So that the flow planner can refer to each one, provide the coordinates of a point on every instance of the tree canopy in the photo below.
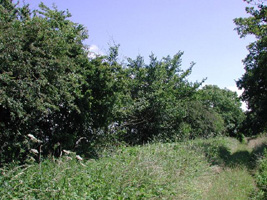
(227, 104)
(53, 96)
(41, 75)
(254, 81)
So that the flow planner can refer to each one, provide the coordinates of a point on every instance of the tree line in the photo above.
(53, 96)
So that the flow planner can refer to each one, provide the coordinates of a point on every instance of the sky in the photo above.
(202, 29)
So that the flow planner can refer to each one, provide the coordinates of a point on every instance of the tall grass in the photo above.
(187, 170)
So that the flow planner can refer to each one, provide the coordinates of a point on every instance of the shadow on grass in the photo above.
(240, 158)
(222, 156)
(258, 150)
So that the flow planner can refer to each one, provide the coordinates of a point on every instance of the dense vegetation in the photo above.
(57, 102)
(254, 81)
(199, 169)
(261, 177)
(54, 96)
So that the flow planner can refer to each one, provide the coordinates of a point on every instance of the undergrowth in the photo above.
(261, 178)
(186, 170)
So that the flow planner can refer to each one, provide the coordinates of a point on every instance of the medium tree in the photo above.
(254, 81)
(202, 120)
(227, 104)
(42, 60)
(157, 93)
(49, 87)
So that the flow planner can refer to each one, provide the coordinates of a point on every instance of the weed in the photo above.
(199, 169)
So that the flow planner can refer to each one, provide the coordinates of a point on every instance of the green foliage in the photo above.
(42, 59)
(261, 176)
(215, 149)
(254, 81)
(106, 83)
(226, 104)
(154, 171)
(204, 121)
(51, 90)
(156, 94)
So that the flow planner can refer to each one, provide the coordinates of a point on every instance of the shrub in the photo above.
(261, 176)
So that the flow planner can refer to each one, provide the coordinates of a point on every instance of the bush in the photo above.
(261, 176)
(205, 122)
(41, 60)
(157, 93)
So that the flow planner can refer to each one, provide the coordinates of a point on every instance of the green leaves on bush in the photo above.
(50, 88)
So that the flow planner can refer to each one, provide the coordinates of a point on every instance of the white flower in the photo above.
(34, 139)
(79, 157)
(34, 151)
(67, 152)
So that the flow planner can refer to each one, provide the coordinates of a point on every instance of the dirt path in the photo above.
(256, 142)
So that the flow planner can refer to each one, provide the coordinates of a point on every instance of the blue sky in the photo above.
(203, 29)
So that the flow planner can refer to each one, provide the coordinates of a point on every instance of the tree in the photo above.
(49, 87)
(254, 81)
(227, 104)
(42, 62)
(156, 94)
(202, 120)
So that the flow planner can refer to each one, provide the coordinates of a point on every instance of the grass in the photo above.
(231, 184)
(234, 180)
(199, 169)
(231, 164)
(261, 177)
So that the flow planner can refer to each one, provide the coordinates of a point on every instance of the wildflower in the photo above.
(34, 151)
(34, 139)
(79, 157)
(67, 152)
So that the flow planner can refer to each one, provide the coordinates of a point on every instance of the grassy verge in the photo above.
(234, 183)
(261, 178)
(154, 171)
(190, 170)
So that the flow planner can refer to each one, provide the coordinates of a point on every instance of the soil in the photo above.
(255, 142)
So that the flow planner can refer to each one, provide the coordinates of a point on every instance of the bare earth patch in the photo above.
(255, 142)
